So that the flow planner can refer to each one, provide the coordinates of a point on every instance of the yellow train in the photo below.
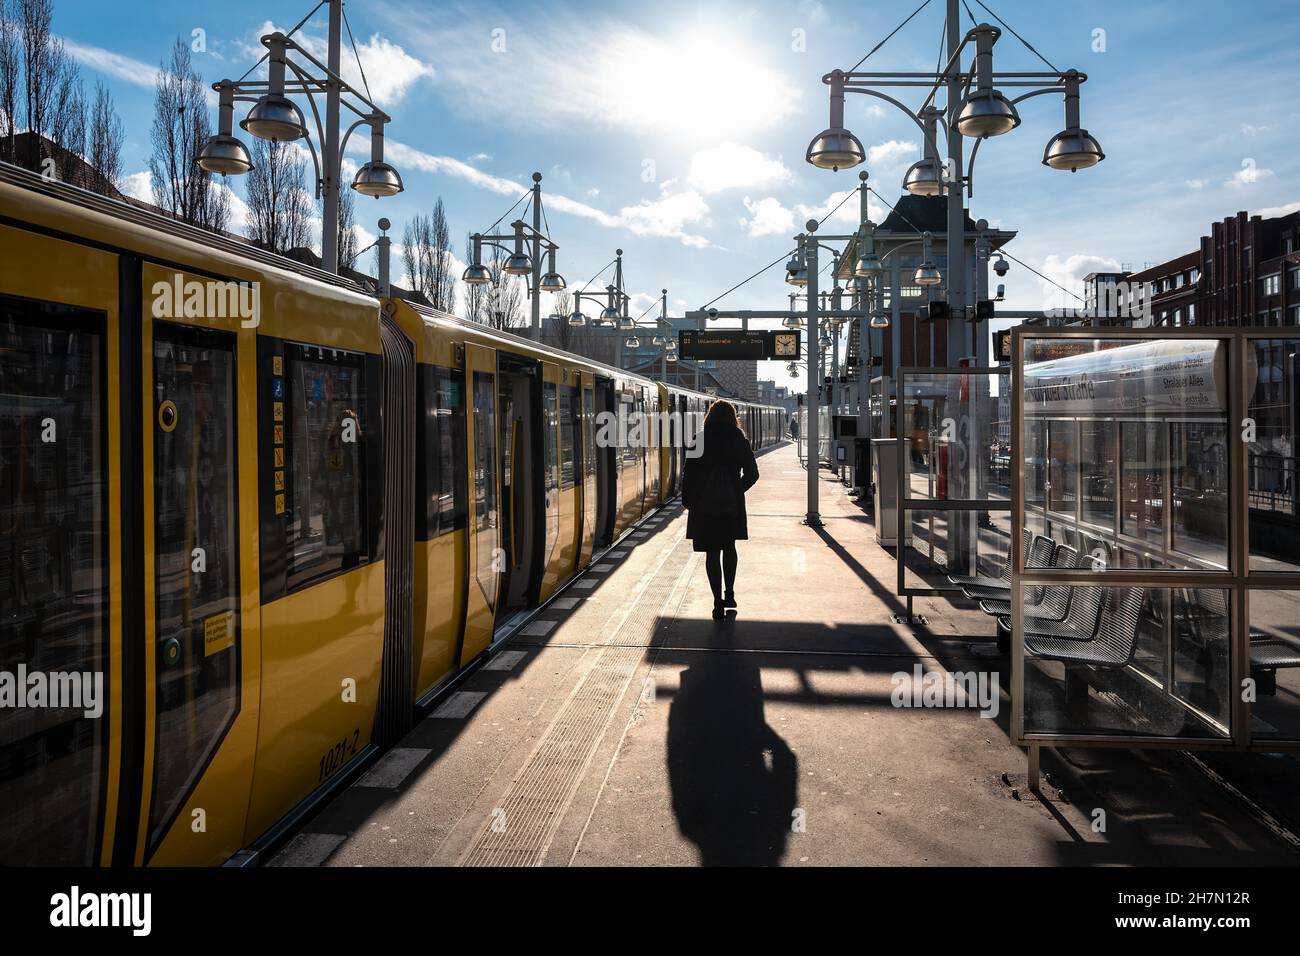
(252, 519)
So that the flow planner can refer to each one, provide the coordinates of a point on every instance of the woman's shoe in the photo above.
(730, 600)
(719, 612)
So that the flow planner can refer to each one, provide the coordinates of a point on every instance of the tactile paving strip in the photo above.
(520, 829)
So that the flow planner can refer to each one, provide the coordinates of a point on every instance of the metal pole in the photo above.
(962, 524)
(663, 355)
(330, 158)
(536, 323)
(384, 245)
(956, 203)
(812, 402)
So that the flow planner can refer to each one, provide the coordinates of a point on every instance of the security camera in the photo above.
(713, 314)
(1002, 292)
(1001, 267)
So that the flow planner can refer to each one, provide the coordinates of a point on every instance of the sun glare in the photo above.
(690, 86)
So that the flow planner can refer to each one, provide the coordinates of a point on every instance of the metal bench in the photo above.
(1111, 646)
(1040, 554)
(1054, 601)
(964, 580)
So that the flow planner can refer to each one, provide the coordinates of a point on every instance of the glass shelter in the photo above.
(1155, 538)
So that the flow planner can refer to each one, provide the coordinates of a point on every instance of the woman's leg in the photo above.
(713, 567)
(729, 567)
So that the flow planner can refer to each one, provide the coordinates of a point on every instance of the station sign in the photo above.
(738, 344)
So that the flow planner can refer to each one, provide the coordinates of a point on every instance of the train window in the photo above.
(441, 455)
(53, 578)
(326, 434)
(196, 558)
(486, 541)
(551, 470)
(627, 417)
(551, 426)
(570, 435)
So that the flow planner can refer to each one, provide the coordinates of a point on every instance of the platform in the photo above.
(623, 726)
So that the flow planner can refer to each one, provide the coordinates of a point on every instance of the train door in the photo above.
(486, 556)
(607, 463)
(200, 654)
(672, 436)
(589, 494)
(554, 427)
(61, 500)
(519, 419)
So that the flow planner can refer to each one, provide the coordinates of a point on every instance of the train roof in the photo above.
(163, 238)
(438, 316)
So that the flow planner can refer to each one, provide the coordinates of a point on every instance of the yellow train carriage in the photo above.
(192, 531)
(272, 514)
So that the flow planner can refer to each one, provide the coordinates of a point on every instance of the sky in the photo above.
(676, 130)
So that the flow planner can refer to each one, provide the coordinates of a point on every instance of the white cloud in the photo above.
(1197, 183)
(891, 153)
(847, 207)
(1274, 212)
(731, 166)
(138, 186)
(389, 70)
(767, 217)
(1069, 272)
(666, 218)
(112, 64)
(680, 84)
(1248, 175)
(1248, 130)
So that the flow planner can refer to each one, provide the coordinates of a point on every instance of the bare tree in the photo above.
(104, 149)
(9, 79)
(66, 114)
(426, 253)
(279, 208)
(180, 128)
(501, 301)
(39, 50)
(347, 241)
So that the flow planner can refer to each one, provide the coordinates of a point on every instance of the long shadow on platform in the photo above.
(734, 780)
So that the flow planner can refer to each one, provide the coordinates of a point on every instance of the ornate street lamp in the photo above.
(275, 117)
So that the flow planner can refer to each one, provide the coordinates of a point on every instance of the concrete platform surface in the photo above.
(635, 730)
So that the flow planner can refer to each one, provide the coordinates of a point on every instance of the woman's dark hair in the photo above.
(721, 415)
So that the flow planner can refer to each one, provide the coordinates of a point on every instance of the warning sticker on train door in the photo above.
(218, 633)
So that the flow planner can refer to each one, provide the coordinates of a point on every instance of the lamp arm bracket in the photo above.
(343, 146)
(331, 76)
(311, 100)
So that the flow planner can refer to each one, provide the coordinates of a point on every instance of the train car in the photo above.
(272, 515)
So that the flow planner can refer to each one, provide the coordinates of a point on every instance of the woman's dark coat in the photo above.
(727, 450)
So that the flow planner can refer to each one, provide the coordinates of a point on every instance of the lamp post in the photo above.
(614, 314)
(521, 263)
(277, 118)
(982, 112)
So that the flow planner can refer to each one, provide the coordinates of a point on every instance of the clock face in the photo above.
(787, 345)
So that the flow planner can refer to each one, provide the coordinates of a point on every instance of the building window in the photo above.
(1295, 278)
(1295, 315)
(1180, 280)
(1194, 276)
(1270, 285)
(1191, 313)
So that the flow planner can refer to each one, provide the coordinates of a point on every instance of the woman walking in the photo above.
(713, 489)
